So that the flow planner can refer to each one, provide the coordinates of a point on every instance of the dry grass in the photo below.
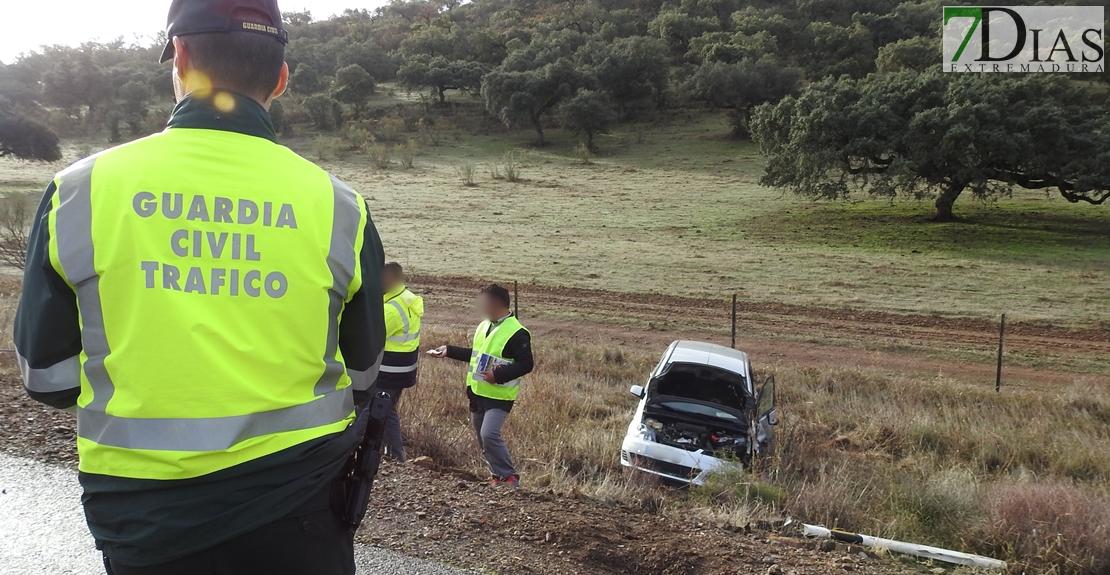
(566, 428)
(1050, 523)
(1021, 474)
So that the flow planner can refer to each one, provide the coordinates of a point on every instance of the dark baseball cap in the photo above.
(206, 16)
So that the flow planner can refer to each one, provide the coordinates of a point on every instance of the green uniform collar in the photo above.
(246, 116)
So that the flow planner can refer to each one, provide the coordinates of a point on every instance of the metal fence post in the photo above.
(1001, 339)
(733, 321)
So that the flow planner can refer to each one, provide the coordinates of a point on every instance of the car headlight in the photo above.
(646, 433)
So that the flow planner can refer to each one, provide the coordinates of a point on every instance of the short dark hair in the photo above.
(244, 62)
(498, 293)
(394, 268)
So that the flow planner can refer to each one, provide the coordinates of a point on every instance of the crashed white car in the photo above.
(699, 409)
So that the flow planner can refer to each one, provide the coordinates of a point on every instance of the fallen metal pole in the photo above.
(934, 553)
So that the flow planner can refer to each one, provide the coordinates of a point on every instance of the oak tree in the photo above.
(935, 135)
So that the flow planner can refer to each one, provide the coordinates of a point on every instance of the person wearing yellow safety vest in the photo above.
(403, 310)
(207, 303)
(499, 357)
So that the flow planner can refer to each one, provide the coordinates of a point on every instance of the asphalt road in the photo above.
(42, 528)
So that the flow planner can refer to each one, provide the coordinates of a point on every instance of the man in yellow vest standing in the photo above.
(499, 357)
(207, 303)
(403, 310)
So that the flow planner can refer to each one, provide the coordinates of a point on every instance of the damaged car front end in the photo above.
(698, 411)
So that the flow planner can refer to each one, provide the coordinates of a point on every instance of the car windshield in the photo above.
(697, 409)
(703, 383)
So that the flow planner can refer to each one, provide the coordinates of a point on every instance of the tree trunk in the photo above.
(945, 201)
(540, 142)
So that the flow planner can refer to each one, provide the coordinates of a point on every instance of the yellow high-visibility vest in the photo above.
(209, 295)
(492, 343)
(408, 308)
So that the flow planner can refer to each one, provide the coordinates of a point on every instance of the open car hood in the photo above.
(704, 385)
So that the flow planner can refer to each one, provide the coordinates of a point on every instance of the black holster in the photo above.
(361, 469)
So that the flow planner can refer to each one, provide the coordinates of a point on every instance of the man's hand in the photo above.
(487, 376)
(439, 352)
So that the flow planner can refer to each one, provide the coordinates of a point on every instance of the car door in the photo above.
(768, 415)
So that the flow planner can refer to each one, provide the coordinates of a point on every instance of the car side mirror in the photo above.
(637, 390)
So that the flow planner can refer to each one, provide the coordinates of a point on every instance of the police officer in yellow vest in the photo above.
(403, 310)
(499, 357)
(206, 302)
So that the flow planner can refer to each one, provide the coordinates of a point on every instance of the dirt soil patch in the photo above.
(451, 517)
(31, 429)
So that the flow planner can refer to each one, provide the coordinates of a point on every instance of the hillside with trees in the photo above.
(589, 65)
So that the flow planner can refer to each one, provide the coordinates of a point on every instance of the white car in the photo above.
(699, 409)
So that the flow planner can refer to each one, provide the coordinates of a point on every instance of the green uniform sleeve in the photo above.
(47, 326)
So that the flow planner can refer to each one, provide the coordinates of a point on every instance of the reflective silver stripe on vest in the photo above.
(398, 369)
(73, 226)
(62, 376)
(346, 217)
(212, 433)
(406, 337)
(362, 380)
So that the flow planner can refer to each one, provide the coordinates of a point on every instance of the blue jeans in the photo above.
(391, 438)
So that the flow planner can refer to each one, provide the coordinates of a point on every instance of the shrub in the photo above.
(325, 112)
(329, 148)
(407, 153)
(431, 130)
(466, 173)
(358, 135)
(16, 213)
(279, 118)
(583, 155)
(511, 164)
(1049, 524)
(390, 129)
(27, 139)
(380, 156)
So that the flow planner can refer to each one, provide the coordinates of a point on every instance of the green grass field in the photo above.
(673, 206)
